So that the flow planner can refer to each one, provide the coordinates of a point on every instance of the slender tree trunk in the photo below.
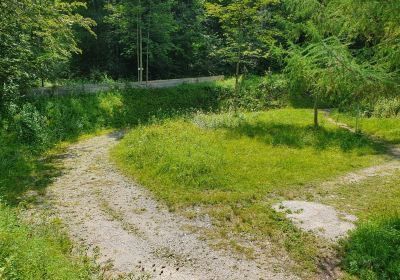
(316, 124)
(239, 56)
(141, 55)
(140, 43)
(42, 82)
(358, 130)
(148, 46)
(237, 86)
(237, 73)
(137, 49)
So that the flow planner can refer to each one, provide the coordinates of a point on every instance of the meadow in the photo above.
(234, 166)
(231, 163)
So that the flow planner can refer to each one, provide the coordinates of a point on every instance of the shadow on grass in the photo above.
(297, 136)
(22, 170)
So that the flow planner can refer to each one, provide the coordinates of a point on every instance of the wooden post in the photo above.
(316, 124)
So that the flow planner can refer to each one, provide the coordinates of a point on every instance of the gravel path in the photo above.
(131, 231)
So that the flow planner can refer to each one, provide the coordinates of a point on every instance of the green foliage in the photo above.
(41, 121)
(30, 126)
(372, 250)
(387, 107)
(36, 37)
(246, 41)
(336, 55)
(133, 19)
(37, 251)
(258, 93)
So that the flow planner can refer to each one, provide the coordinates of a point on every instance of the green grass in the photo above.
(387, 129)
(235, 166)
(38, 251)
(372, 251)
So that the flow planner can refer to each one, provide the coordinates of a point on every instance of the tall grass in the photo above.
(388, 129)
(37, 252)
(372, 252)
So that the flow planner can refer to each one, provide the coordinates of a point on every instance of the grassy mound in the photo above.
(236, 165)
(240, 157)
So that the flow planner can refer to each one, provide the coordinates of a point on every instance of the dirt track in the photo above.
(133, 233)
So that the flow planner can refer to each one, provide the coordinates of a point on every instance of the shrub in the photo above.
(387, 107)
(30, 125)
(257, 93)
(373, 250)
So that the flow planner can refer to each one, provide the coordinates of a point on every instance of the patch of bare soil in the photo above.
(322, 220)
(132, 232)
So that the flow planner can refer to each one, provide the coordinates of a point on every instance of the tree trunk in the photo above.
(137, 49)
(316, 124)
(141, 55)
(42, 82)
(147, 48)
(358, 130)
(237, 86)
(237, 73)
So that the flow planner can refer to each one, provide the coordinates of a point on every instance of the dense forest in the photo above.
(351, 54)
(308, 112)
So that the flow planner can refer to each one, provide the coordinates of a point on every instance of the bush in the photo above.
(386, 108)
(373, 250)
(30, 126)
(257, 93)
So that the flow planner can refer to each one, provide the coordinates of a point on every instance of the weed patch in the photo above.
(373, 249)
